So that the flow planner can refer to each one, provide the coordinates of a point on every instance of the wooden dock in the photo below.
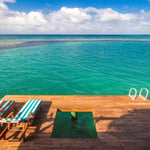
(121, 123)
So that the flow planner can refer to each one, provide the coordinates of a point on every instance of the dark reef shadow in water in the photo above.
(35, 43)
(27, 44)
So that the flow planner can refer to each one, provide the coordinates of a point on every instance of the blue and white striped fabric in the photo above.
(30, 107)
(5, 106)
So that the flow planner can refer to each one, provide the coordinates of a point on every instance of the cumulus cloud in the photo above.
(73, 21)
(73, 15)
(111, 15)
(10, 1)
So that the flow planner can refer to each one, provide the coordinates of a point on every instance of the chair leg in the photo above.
(22, 138)
(3, 133)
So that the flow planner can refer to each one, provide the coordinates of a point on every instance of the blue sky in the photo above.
(45, 5)
(74, 16)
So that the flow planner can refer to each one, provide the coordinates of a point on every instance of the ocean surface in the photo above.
(73, 64)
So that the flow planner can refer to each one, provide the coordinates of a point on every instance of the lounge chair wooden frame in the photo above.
(19, 125)
(8, 110)
(10, 106)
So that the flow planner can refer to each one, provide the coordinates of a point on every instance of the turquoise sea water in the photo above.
(73, 65)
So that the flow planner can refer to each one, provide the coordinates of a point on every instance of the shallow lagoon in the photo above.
(75, 67)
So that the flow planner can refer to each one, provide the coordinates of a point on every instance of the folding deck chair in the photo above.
(6, 110)
(23, 118)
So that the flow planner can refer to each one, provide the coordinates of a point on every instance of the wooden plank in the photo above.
(120, 122)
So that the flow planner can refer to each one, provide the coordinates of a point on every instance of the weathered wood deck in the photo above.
(120, 123)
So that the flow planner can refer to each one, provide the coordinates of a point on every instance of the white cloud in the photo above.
(73, 15)
(73, 20)
(111, 15)
(10, 1)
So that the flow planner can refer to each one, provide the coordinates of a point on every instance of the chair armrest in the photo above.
(31, 116)
(10, 115)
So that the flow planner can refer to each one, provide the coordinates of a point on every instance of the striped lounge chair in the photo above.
(6, 109)
(24, 117)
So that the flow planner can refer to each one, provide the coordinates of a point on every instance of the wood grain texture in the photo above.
(121, 123)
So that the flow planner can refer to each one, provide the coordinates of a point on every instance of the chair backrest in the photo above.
(31, 106)
(5, 106)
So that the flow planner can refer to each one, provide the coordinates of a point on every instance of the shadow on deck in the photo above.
(130, 131)
(39, 130)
